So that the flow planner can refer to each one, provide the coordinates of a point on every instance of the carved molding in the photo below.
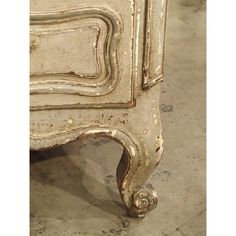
(154, 43)
(83, 131)
(97, 84)
(140, 135)
(134, 168)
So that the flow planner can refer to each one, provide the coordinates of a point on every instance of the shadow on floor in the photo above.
(52, 167)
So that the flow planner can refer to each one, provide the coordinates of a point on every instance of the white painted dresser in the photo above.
(95, 69)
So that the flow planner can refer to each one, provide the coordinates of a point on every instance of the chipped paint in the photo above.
(113, 133)
(145, 131)
(155, 121)
(70, 121)
(133, 152)
(67, 140)
(103, 108)
(147, 162)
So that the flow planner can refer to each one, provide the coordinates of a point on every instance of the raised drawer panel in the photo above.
(84, 54)
(75, 52)
(52, 47)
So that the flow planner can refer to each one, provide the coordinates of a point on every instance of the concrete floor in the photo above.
(73, 188)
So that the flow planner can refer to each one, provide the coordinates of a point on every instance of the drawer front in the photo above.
(84, 55)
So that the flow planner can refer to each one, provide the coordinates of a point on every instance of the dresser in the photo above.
(95, 70)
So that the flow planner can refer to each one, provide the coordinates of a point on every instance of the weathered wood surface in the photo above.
(93, 70)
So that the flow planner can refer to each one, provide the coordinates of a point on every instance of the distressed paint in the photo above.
(155, 26)
(112, 102)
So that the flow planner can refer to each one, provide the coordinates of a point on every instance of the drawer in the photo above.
(84, 54)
